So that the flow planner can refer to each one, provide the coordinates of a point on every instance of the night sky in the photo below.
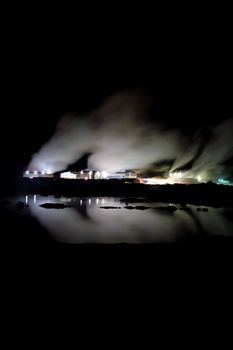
(186, 71)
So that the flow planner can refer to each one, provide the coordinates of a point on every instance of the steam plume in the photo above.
(118, 136)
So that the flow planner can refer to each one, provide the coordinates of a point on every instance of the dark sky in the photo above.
(186, 71)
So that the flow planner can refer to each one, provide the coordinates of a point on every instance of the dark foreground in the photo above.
(23, 239)
(200, 194)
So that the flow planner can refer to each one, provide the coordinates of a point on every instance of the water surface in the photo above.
(89, 220)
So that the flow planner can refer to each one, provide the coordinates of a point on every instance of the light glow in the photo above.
(104, 174)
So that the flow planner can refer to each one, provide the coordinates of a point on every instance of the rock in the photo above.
(141, 207)
(20, 205)
(185, 209)
(202, 209)
(54, 206)
(137, 207)
(170, 208)
(110, 207)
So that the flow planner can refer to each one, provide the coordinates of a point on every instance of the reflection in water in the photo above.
(87, 222)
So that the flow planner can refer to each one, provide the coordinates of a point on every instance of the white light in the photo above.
(48, 172)
(68, 175)
(103, 201)
(198, 178)
(90, 174)
(81, 172)
(26, 199)
(81, 202)
(89, 201)
(97, 200)
(34, 198)
(35, 172)
(104, 174)
(27, 172)
(43, 172)
(86, 178)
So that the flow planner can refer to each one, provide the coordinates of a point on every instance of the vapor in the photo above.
(209, 155)
(118, 135)
(217, 151)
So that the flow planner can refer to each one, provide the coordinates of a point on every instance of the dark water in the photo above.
(86, 221)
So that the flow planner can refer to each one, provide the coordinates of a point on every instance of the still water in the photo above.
(89, 220)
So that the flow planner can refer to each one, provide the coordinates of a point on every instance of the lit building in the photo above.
(85, 174)
(35, 173)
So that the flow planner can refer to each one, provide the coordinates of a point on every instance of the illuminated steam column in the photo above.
(104, 174)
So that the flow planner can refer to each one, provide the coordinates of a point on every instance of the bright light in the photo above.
(68, 175)
(90, 174)
(43, 172)
(86, 178)
(89, 201)
(104, 174)
(157, 181)
(26, 199)
(27, 172)
(35, 172)
(97, 200)
(199, 178)
(34, 199)
(48, 172)
(81, 172)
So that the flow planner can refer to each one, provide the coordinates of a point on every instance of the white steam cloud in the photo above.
(117, 135)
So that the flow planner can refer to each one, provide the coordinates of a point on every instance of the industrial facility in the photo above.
(177, 177)
(85, 174)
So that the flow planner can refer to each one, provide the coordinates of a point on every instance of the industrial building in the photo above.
(36, 174)
(85, 174)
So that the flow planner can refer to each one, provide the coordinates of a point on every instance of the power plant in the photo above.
(177, 177)
(85, 174)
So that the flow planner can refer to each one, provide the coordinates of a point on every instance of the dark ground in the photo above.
(23, 238)
(208, 194)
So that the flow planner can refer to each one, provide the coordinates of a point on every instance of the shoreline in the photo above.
(208, 194)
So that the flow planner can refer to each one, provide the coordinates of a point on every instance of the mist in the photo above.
(119, 135)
